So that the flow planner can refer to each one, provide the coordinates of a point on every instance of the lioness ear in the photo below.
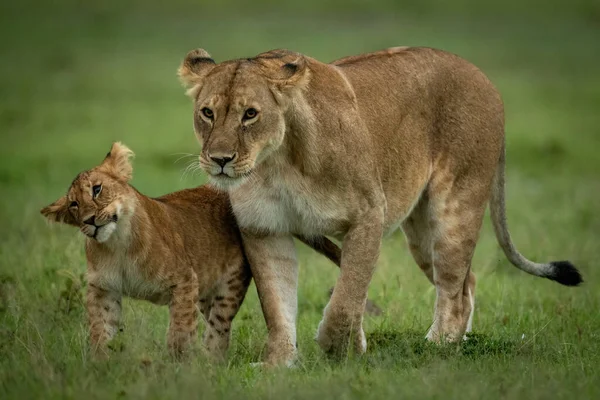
(195, 66)
(118, 162)
(285, 69)
(59, 212)
(294, 74)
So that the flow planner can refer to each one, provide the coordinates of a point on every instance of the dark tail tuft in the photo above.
(565, 273)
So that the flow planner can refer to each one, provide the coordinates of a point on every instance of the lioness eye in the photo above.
(96, 189)
(73, 204)
(208, 113)
(250, 113)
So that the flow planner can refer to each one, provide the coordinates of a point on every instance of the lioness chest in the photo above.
(282, 208)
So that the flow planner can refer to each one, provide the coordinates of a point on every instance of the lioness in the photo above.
(182, 249)
(405, 137)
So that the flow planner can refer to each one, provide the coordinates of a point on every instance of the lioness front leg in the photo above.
(343, 316)
(104, 315)
(275, 271)
(183, 311)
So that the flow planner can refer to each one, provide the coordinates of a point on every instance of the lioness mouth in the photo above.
(223, 174)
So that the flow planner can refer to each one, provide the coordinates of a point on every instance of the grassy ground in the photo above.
(74, 79)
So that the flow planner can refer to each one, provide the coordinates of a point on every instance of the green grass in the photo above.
(74, 78)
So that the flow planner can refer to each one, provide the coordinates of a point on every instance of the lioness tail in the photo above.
(560, 271)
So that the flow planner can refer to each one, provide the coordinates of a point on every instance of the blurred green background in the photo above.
(77, 75)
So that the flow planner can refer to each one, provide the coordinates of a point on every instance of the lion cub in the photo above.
(182, 249)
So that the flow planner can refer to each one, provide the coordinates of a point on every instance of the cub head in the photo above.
(240, 108)
(96, 202)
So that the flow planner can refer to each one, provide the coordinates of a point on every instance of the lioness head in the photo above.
(95, 199)
(239, 108)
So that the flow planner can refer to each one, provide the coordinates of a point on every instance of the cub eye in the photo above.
(250, 113)
(96, 189)
(208, 113)
(74, 204)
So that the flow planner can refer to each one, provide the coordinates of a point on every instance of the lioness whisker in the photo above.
(182, 156)
(192, 166)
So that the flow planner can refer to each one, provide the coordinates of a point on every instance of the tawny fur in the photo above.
(406, 137)
(183, 250)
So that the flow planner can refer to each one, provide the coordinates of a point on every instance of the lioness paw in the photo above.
(336, 341)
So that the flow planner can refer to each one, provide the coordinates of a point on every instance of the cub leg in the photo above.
(104, 316)
(226, 304)
(205, 305)
(183, 315)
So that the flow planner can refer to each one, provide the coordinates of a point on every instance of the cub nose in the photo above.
(91, 220)
(222, 160)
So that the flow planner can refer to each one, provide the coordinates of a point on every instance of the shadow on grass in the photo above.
(412, 348)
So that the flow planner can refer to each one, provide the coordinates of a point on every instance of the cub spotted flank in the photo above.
(183, 250)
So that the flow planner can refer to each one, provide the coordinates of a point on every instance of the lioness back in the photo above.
(419, 102)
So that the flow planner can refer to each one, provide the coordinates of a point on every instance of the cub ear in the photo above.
(118, 162)
(195, 66)
(285, 69)
(59, 212)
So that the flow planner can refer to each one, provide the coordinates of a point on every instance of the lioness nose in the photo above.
(91, 220)
(222, 161)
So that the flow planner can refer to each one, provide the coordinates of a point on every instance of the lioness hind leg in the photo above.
(456, 210)
(470, 293)
(419, 237)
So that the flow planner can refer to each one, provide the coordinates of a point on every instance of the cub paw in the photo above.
(99, 353)
(179, 344)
